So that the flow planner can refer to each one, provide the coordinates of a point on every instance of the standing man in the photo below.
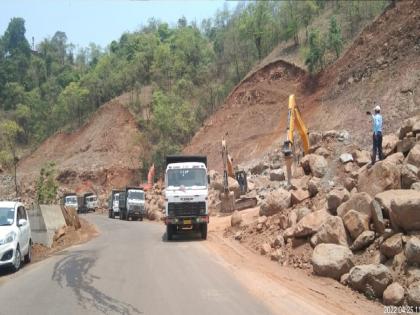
(377, 134)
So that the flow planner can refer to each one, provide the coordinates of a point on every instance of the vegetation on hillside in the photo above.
(190, 67)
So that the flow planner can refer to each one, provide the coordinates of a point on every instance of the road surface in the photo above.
(128, 269)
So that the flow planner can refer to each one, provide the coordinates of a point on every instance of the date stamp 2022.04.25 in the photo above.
(405, 309)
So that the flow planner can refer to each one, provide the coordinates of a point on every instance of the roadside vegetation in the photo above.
(190, 67)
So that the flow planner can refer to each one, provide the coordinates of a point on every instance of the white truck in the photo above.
(131, 202)
(186, 194)
(113, 204)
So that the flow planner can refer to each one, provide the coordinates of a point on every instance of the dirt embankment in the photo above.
(103, 153)
(382, 65)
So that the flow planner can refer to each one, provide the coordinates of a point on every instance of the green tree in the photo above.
(307, 11)
(9, 132)
(71, 104)
(335, 41)
(315, 57)
(46, 185)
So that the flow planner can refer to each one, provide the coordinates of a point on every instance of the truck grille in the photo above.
(186, 209)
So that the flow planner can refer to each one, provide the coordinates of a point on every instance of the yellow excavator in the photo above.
(294, 120)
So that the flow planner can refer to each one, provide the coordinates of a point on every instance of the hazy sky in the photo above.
(99, 21)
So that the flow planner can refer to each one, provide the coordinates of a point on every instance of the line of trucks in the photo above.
(83, 204)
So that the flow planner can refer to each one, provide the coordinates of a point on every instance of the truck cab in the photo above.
(113, 204)
(91, 202)
(186, 194)
(70, 200)
(131, 203)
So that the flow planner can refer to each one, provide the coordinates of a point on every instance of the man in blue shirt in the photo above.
(377, 134)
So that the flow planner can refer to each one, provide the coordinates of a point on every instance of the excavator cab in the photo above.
(242, 180)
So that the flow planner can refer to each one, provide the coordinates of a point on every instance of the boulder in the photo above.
(349, 183)
(275, 202)
(372, 280)
(283, 222)
(277, 175)
(389, 144)
(332, 231)
(279, 241)
(302, 212)
(414, 156)
(402, 207)
(315, 164)
(393, 294)
(377, 217)
(416, 186)
(336, 197)
(359, 202)
(236, 218)
(323, 152)
(409, 175)
(384, 175)
(392, 246)
(413, 274)
(313, 186)
(291, 219)
(413, 294)
(265, 249)
(406, 127)
(363, 240)
(361, 157)
(299, 195)
(310, 224)
(345, 158)
(399, 262)
(259, 168)
(396, 158)
(405, 145)
(356, 223)
(412, 250)
(331, 260)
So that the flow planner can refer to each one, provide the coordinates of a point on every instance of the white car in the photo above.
(15, 235)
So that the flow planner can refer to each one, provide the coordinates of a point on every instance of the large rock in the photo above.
(361, 157)
(236, 218)
(301, 213)
(393, 294)
(414, 156)
(412, 250)
(384, 175)
(332, 231)
(277, 175)
(402, 207)
(310, 224)
(259, 168)
(416, 186)
(298, 196)
(372, 280)
(314, 186)
(331, 260)
(363, 240)
(356, 223)
(345, 158)
(413, 294)
(359, 202)
(392, 246)
(315, 164)
(406, 127)
(389, 144)
(275, 202)
(405, 145)
(377, 217)
(409, 175)
(336, 197)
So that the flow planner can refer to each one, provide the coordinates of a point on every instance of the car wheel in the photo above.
(28, 256)
(18, 260)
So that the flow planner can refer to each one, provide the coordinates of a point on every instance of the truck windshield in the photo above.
(71, 200)
(187, 177)
(7, 216)
(132, 194)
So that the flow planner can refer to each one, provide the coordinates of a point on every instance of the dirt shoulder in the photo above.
(285, 290)
(71, 237)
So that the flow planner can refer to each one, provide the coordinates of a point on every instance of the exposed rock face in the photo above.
(310, 224)
(336, 197)
(356, 223)
(413, 294)
(372, 280)
(359, 202)
(363, 240)
(384, 175)
(315, 164)
(275, 202)
(392, 245)
(412, 250)
(331, 260)
(332, 231)
(393, 294)
(402, 207)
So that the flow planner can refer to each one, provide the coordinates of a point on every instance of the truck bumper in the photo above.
(187, 221)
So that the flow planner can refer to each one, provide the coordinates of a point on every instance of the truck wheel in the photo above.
(141, 218)
(120, 215)
(169, 232)
(110, 214)
(203, 229)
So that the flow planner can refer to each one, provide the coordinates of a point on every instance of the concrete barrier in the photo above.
(45, 220)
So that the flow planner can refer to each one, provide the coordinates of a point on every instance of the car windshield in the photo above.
(187, 177)
(7, 216)
(71, 200)
(135, 195)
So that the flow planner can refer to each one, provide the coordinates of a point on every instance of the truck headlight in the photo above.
(8, 239)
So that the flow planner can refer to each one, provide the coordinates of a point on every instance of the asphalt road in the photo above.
(128, 269)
